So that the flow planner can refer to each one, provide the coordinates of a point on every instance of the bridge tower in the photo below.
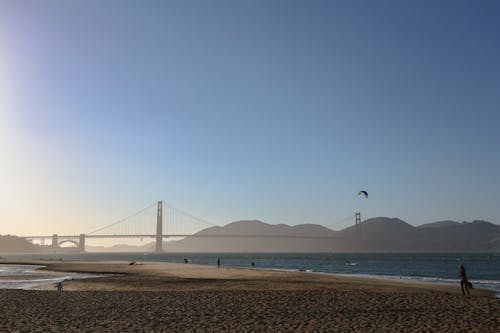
(81, 243)
(54, 242)
(358, 220)
(159, 227)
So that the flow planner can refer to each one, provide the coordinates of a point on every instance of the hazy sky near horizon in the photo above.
(274, 110)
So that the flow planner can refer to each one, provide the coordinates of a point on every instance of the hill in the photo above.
(440, 224)
(256, 236)
(10, 243)
(379, 234)
(121, 248)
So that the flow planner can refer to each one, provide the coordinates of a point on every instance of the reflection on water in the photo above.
(34, 277)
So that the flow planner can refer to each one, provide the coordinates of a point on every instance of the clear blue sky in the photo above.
(275, 110)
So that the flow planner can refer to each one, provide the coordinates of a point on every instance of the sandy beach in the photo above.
(169, 297)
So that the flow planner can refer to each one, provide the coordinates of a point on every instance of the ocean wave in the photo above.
(33, 270)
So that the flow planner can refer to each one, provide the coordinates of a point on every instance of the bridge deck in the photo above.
(184, 235)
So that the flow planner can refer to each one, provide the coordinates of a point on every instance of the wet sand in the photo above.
(165, 297)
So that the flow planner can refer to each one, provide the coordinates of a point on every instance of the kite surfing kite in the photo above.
(363, 193)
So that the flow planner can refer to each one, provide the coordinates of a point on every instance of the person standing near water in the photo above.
(218, 263)
(464, 283)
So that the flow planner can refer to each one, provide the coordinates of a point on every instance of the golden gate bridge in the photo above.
(158, 221)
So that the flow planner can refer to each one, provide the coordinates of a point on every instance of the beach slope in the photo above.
(168, 297)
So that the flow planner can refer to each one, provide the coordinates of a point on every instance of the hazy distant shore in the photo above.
(160, 297)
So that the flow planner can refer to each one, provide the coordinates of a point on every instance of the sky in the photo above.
(273, 110)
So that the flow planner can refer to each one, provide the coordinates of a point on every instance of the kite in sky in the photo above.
(363, 193)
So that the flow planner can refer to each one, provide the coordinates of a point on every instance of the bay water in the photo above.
(483, 269)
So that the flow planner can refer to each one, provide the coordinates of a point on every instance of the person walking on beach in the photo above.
(218, 263)
(464, 283)
(60, 287)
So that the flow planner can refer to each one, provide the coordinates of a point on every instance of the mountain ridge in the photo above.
(379, 234)
(376, 234)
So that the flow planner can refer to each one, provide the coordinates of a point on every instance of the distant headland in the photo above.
(380, 234)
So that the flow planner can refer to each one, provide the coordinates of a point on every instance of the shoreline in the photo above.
(171, 297)
(237, 275)
(421, 269)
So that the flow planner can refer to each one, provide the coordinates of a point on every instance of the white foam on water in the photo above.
(493, 285)
(33, 270)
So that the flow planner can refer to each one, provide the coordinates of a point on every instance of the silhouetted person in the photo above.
(59, 287)
(185, 261)
(464, 283)
(253, 264)
(218, 263)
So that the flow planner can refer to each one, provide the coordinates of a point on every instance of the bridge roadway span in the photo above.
(79, 240)
(154, 213)
(178, 236)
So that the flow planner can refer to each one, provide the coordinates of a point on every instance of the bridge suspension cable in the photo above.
(341, 221)
(175, 222)
(179, 222)
(141, 222)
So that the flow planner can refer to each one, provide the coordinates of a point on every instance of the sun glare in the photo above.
(7, 188)
(4, 110)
